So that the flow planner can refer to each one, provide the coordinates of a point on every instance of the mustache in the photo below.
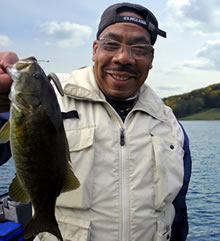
(121, 68)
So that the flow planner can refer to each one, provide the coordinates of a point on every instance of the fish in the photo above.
(38, 144)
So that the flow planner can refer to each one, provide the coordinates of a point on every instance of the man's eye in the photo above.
(141, 49)
(111, 45)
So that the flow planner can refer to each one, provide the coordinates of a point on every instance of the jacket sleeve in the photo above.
(180, 225)
(5, 152)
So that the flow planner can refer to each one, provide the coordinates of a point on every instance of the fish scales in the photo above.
(39, 146)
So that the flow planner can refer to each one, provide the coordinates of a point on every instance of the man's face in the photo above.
(120, 76)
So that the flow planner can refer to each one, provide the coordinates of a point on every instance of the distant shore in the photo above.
(208, 114)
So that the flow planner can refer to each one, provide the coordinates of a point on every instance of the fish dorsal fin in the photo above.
(17, 193)
(4, 133)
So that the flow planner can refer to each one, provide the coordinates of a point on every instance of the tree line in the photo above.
(195, 101)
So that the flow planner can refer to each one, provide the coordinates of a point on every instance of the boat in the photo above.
(12, 213)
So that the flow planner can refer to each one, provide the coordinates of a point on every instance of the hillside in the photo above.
(202, 103)
(210, 114)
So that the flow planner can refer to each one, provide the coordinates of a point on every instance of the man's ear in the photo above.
(95, 47)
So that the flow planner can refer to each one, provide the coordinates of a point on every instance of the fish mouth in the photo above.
(16, 93)
(13, 70)
(13, 73)
(24, 63)
(27, 62)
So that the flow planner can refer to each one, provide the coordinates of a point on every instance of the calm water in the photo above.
(204, 191)
(203, 198)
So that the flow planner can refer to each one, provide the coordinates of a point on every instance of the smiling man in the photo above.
(127, 148)
(123, 56)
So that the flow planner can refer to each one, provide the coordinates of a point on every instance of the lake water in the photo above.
(203, 199)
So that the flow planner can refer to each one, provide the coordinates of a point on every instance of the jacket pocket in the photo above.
(72, 229)
(168, 171)
(164, 224)
(81, 153)
(80, 139)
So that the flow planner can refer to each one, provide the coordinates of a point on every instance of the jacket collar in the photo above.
(82, 85)
(150, 103)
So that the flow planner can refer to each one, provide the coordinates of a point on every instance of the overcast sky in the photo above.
(63, 32)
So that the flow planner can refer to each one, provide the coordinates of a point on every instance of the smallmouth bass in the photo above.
(39, 146)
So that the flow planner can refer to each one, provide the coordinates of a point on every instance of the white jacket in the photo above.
(129, 172)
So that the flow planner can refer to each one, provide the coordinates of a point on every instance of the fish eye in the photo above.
(36, 75)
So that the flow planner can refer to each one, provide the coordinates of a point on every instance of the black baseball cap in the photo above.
(149, 21)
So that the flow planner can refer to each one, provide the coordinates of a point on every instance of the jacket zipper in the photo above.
(122, 137)
(124, 228)
(124, 198)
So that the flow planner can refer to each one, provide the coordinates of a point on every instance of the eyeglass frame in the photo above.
(128, 47)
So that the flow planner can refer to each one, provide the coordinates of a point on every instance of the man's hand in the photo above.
(6, 58)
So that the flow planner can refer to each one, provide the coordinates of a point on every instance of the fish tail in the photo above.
(38, 225)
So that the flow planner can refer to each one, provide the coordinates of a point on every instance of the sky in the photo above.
(62, 32)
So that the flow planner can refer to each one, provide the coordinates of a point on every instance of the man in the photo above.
(5, 82)
(4, 149)
(127, 148)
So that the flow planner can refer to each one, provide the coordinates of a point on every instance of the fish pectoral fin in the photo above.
(71, 182)
(17, 192)
(4, 133)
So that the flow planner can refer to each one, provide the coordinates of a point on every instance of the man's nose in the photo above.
(124, 56)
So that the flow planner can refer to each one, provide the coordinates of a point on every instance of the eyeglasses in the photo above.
(137, 51)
